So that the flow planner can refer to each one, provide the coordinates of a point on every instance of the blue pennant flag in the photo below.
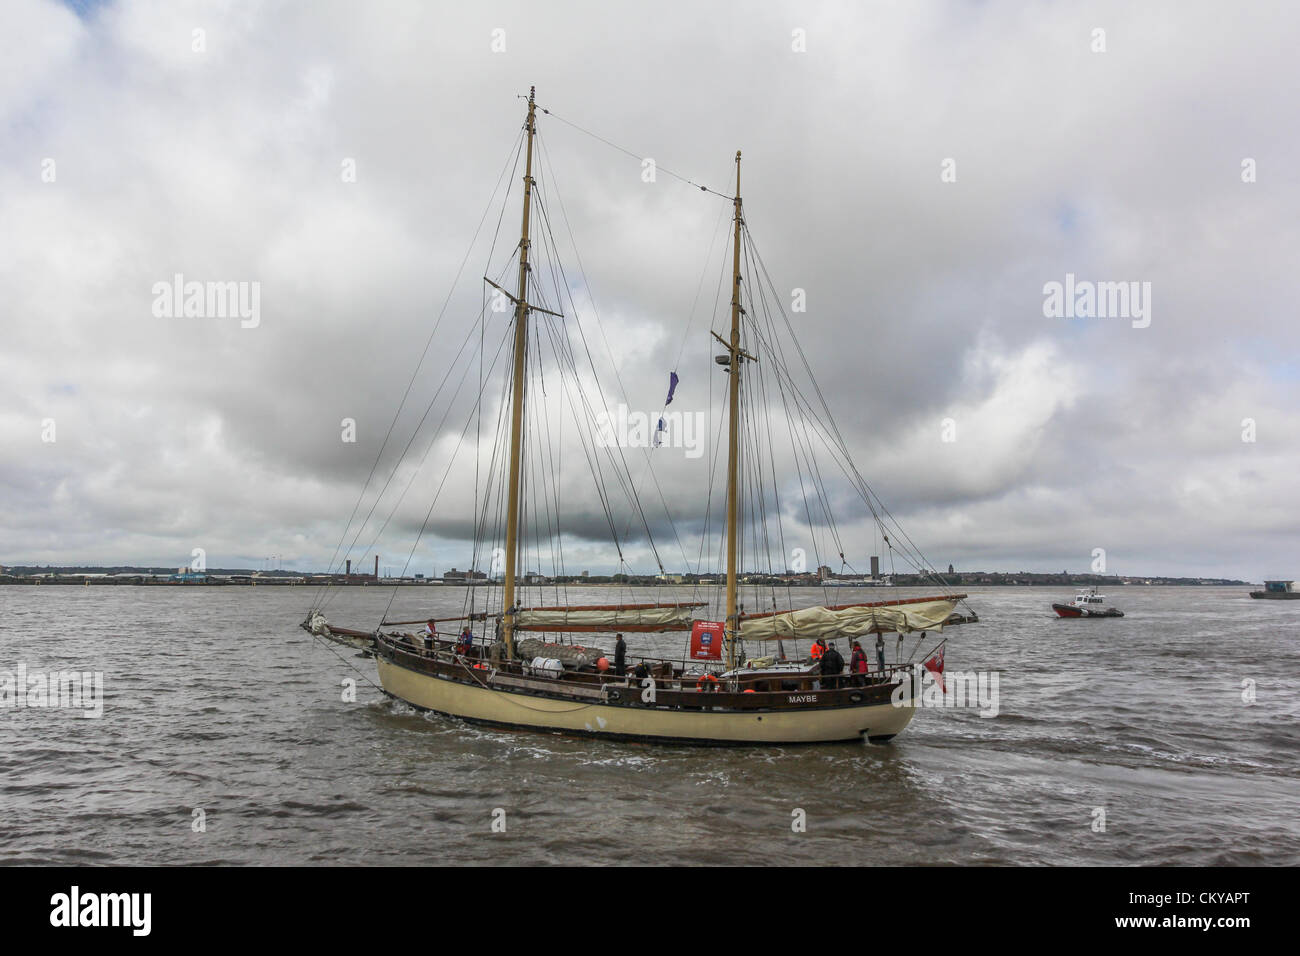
(672, 387)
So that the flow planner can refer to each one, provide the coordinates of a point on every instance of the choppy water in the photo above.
(215, 700)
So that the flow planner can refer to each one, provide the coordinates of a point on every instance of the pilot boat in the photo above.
(1087, 603)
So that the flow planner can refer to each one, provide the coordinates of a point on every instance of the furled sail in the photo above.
(613, 617)
(567, 653)
(853, 620)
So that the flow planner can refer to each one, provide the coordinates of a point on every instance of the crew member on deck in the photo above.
(858, 665)
(832, 666)
(466, 641)
(818, 649)
(429, 632)
(620, 656)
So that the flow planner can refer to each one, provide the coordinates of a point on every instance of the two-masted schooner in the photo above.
(546, 667)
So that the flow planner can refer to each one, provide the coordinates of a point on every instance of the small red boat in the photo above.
(1087, 603)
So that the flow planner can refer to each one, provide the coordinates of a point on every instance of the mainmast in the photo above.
(732, 627)
(517, 405)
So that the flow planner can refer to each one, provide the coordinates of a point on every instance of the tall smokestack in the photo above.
(875, 566)
(349, 571)
(376, 567)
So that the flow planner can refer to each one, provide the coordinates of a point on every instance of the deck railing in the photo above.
(684, 688)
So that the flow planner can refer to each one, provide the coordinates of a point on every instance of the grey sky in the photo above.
(924, 297)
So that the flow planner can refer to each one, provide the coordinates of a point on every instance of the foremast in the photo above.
(736, 356)
(517, 404)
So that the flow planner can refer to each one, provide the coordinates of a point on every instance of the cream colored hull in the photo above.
(879, 721)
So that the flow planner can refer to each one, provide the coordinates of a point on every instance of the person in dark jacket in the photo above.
(832, 666)
(620, 656)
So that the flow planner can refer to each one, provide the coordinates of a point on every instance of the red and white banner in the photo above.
(706, 640)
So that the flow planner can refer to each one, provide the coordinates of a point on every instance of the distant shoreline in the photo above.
(80, 580)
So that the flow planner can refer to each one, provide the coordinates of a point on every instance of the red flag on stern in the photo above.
(934, 664)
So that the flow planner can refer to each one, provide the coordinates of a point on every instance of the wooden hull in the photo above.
(502, 708)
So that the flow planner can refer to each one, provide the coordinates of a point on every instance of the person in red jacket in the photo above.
(858, 665)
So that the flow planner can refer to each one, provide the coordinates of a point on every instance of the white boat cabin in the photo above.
(1089, 597)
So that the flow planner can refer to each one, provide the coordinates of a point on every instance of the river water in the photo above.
(1171, 736)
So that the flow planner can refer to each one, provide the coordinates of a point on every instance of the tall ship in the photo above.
(754, 665)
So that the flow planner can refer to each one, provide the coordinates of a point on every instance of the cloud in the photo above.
(924, 297)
